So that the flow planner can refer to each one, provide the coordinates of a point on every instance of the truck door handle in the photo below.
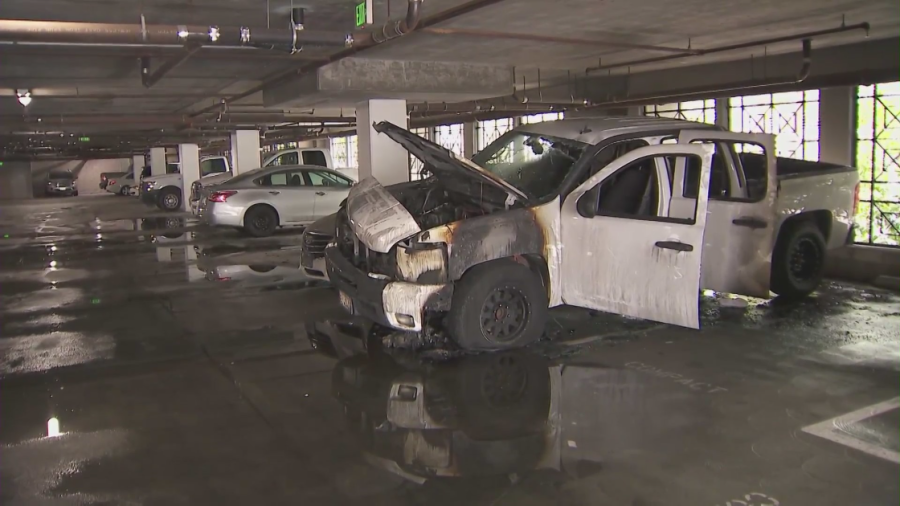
(750, 222)
(675, 245)
(274, 193)
(320, 193)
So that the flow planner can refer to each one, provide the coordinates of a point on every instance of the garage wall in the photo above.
(15, 181)
(89, 176)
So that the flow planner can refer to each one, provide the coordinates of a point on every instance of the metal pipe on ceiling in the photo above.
(289, 38)
(491, 34)
(733, 47)
(801, 76)
(389, 31)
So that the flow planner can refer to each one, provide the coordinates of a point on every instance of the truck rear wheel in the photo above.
(498, 305)
(798, 261)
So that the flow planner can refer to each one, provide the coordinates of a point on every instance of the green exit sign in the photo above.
(364, 13)
(361, 14)
(84, 139)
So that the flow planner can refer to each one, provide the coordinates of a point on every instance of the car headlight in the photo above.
(425, 263)
(150, 185)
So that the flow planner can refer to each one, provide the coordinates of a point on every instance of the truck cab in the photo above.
(612, 214)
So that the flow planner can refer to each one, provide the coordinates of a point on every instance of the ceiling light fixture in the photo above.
(24, 97)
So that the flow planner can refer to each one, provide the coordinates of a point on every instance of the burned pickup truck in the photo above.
(613, 214)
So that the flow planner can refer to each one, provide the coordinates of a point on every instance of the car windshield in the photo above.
(64, 175)
(533, 163)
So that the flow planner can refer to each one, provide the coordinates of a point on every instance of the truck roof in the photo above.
(592, 130)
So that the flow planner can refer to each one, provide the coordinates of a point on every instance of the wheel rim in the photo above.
(261, 222)
(504, 314)
(805, 259)
(504, 382)
(170, 201)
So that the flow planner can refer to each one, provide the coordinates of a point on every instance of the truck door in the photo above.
(737, 250)
(620, 251)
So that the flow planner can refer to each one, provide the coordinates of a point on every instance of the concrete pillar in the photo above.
(837, 120)
(244, 151)
(723, 113)
(157, 161)
(189, 156)
(379, 156)
(469, 136)
(15, 181)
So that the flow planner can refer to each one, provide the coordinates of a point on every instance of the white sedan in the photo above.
(263, 200)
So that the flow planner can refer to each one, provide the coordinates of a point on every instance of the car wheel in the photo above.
(498, 305)
(260, 221)
(170, 199)
(123, 191)
(798, 261)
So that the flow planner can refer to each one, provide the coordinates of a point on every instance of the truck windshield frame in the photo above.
(535, 164)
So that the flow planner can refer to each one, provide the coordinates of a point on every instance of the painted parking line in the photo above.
(834, 429)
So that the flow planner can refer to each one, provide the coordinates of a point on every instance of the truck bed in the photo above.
(788, 168)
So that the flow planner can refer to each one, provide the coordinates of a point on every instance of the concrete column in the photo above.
(157, 161)
(469, 136)
(189, 156)
(244, 151)
(723, 113)
(379, 156)
(837, 120)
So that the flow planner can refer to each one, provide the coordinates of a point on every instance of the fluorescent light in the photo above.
(24, 97)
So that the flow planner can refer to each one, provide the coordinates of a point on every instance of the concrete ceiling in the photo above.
(73, 82)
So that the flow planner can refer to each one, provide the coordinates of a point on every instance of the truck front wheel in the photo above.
(798, 261)
(498, 305)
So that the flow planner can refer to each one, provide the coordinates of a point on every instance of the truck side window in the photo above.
(632, 192)
(213, 166)
(314, 158)
(750, 171)
(291, 158)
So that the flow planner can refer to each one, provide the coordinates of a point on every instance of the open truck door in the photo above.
(623, 253)
(737, 251)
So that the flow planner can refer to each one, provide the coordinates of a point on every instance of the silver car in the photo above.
(262, 200)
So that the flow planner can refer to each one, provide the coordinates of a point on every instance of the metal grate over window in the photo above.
(489, 130)
(702, 111)
(793, 117)
(416, 165)
(344, 151)
(878, 161)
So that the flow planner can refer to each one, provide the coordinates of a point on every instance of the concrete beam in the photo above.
(347, 82)
(873, 61)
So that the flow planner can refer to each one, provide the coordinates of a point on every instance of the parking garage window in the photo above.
(540, 118)
(877, 157)
(792, 117)
(416, 167)
(702, 111)
(489, 130)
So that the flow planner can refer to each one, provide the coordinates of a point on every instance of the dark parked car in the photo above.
(61, 183)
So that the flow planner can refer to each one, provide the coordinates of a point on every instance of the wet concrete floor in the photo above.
(147, 360)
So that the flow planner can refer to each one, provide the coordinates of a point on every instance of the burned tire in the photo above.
(498, 305)
(798, 261)
(260, 221)
(169, 199)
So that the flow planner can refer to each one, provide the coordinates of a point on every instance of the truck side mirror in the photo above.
(587, 204)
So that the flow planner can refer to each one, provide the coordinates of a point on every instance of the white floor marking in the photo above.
(833, 429)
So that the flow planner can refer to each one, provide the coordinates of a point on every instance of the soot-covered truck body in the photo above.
(613, 214)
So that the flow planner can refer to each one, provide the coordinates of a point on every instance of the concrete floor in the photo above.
(179, 366)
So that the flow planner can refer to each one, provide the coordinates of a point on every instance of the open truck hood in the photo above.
(443, 162)
(377, 218)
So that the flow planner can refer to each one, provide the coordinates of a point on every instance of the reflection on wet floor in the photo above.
(149, 360)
